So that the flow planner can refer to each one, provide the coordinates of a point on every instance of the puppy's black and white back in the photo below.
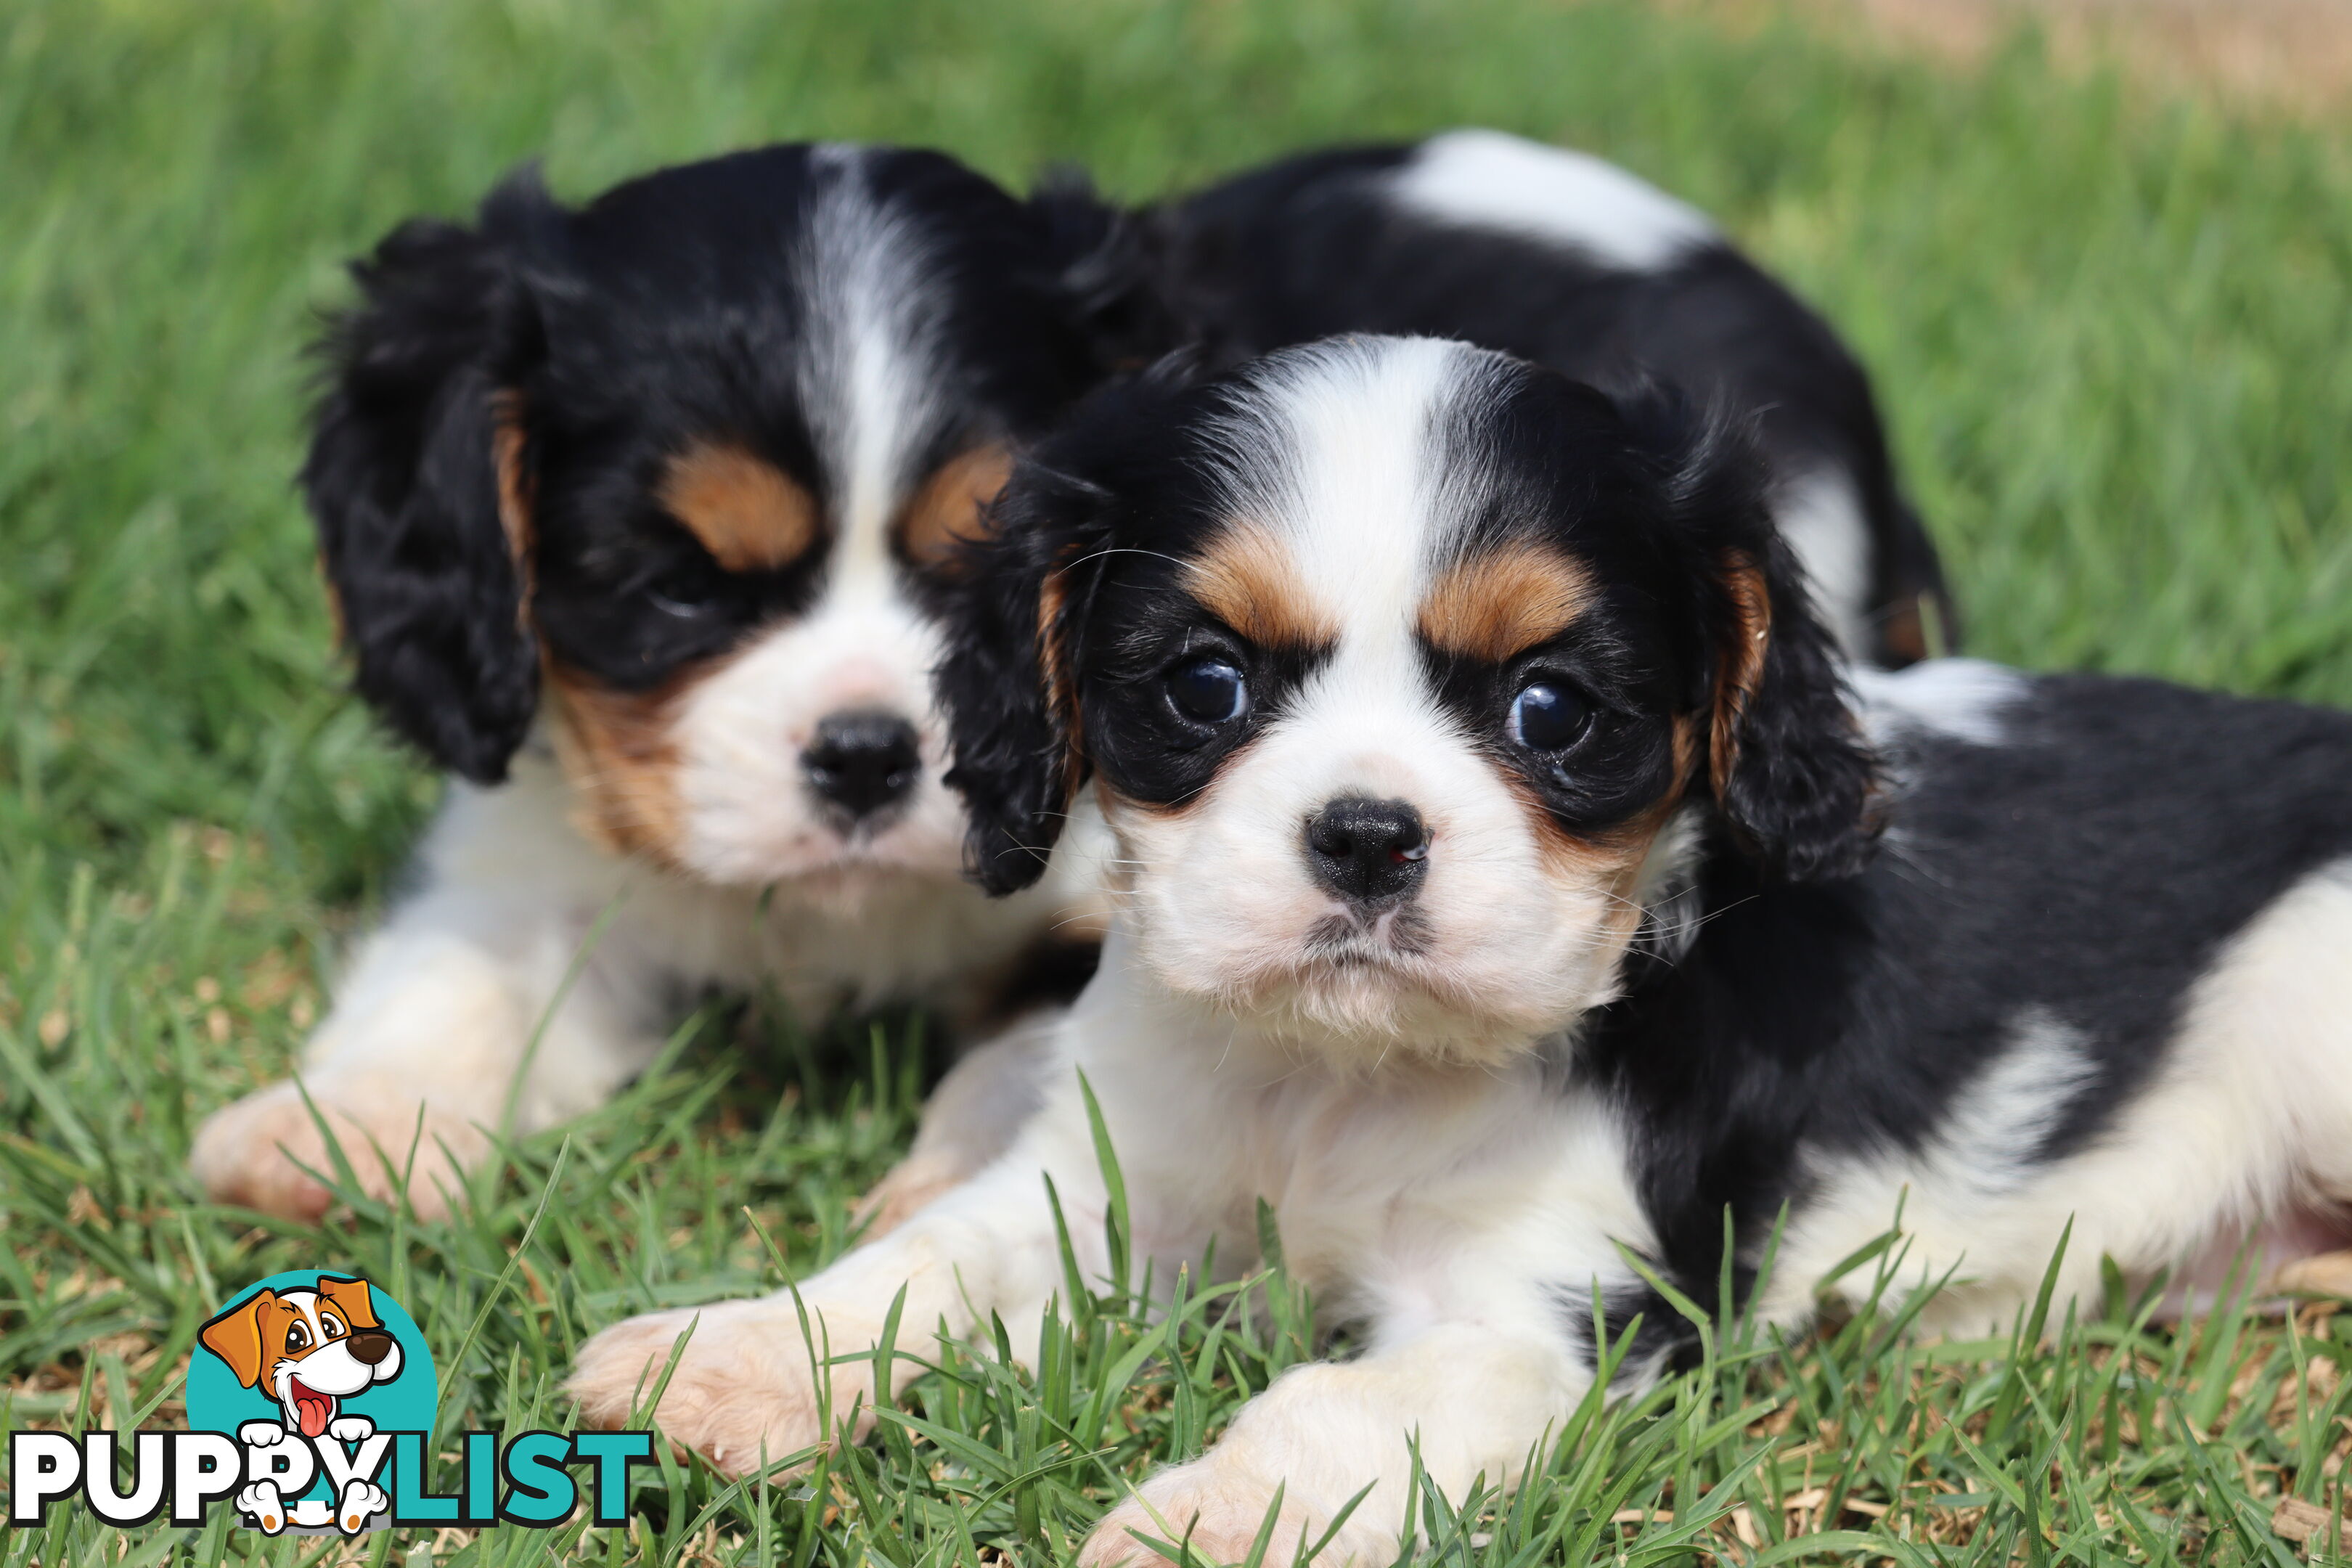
(635, 514)
(2094, 978)
(1567, 261)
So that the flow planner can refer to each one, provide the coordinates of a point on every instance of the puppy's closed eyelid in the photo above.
(950, 510)
(748, 513)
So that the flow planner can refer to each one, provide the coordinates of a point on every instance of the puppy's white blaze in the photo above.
(2251, 1116)
(870, 376)
(1346, 484)
(1485, 179)
(1959, 698)
(1821, 517)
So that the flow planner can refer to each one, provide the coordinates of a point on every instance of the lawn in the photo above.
(2111, 333)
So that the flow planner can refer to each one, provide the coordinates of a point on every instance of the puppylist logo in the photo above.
(312, 1403)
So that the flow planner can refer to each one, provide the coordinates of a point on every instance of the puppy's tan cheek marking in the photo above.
(750, 517)
(951, 509)
(1741, 668)
(1503, 601)
(1246, 579)
(620, 751)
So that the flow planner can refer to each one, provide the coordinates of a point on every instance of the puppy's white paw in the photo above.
(261, 1434)
(1222, 1507)
(361, 1501)
(350, 1428)
(260, 1502)
(252, 1153)
(744, 1393)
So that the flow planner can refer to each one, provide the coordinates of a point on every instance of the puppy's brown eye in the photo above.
(1548, 717)
(1209, 690)
(297, 1338)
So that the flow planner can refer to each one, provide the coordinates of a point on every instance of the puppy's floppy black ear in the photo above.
(1790, 771)
(1008, 683)
(417, 479)
(1108, 271)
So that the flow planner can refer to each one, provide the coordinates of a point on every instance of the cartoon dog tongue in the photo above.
(313, 1408)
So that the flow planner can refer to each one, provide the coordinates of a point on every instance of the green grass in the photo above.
(2111, 333)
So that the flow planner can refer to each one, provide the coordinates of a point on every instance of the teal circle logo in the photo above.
(313, 1372)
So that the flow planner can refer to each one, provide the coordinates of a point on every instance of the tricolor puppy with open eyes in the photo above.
(635, 514)
(1499, 889)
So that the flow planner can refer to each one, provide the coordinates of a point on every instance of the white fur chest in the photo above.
(1394, 1187)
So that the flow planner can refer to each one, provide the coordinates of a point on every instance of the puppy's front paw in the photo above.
(1221, 1507)
(744, 1393)
(350, 1428)
(252, 1153)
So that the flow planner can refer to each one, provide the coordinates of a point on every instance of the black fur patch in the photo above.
(1312, 247)
(1665, 1341)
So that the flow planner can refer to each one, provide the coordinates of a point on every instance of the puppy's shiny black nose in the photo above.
(370, 1346)
(1368, 849)
(863, 761)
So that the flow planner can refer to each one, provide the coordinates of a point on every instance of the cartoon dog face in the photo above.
(309, 1349)
(1409, 674)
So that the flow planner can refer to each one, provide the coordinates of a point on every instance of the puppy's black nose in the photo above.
(863, 761)
(1368, 849)
(369, 1346)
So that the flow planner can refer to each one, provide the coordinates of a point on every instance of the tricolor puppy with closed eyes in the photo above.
(1570, 262)
(635, 514)
(1509, 877)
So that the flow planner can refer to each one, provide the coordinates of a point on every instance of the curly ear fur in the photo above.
(1788, 762)
(413, 448)
(1790, 771)
(1015, 619)
(1011, 620)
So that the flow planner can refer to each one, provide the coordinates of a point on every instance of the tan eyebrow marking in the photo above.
(750, 516)
(951, 507)
(1247, 580)
(1503, 600)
